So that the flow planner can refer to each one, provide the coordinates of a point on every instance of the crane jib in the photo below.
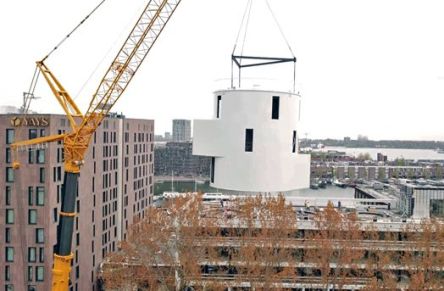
(75, 143)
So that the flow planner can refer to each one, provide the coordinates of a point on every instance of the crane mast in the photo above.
(75, 144)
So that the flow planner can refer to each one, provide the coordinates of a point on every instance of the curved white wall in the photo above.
(271, 166)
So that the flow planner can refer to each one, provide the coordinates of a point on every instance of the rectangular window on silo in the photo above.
(219, 101)
(275, 108)
(213, 161)
(249, 140)
(294, 142)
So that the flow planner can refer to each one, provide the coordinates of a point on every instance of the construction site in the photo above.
(78, 210)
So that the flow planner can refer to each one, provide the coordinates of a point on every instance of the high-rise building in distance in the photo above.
(181, 130)
(115, 187)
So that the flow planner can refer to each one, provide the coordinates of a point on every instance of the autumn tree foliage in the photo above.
(259, 243)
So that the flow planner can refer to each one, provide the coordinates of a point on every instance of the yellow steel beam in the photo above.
(38, 140)
(69, 106)
(25, 143)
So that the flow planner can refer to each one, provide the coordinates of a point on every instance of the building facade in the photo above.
(115, 186)
(181, 130)
(253, 142)
(280, 247)
(422, 201)
(176, 158)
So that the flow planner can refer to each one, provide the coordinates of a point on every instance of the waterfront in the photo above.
(391, 153)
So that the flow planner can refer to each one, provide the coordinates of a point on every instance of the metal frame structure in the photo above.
(260, 61)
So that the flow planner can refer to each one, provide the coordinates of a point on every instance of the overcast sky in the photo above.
(364, 67)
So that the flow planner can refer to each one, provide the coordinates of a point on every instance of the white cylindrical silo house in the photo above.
(252, 140)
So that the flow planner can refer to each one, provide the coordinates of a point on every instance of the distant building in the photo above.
(422, 201)
(375, 196)
(347, 140)
(362, 173)
(177, 158)
(352, 172)
(253, 142)
(181, 130)
(159, 137)
(371, 173)
(381, 157)
(362, 137)
(9, 109)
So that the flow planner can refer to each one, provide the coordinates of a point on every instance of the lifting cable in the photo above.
(280, 28)
(28, 96)
(246, 15)
(122, 34)
(246, 20)
(288, 44)
(245, 23)
(72, 31)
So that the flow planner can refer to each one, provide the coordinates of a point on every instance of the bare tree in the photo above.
(255, 243)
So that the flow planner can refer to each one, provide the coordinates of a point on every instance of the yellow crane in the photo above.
(75, 143)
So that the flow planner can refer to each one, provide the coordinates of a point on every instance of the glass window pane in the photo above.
(31, 254)
(40, 235)
(41, 255)
(42, 175)
(10, 136)
(30, 274)
(30, 196)
(40, 156)
(7, 273)
(39, 273)
(31, 156)
(40, 199)
(7, 235)
(32, 133)
(9, 254)
(8, 155)
(9, 174)
(9, 216)
(8, 195)
(32, 216)
(436, 208)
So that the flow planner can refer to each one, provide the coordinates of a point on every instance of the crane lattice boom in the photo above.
(123, 68)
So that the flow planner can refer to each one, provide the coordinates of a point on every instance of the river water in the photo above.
(392, 154)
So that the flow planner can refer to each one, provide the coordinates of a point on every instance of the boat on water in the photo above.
(440, 151)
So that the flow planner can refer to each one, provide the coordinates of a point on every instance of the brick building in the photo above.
(115, 186)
